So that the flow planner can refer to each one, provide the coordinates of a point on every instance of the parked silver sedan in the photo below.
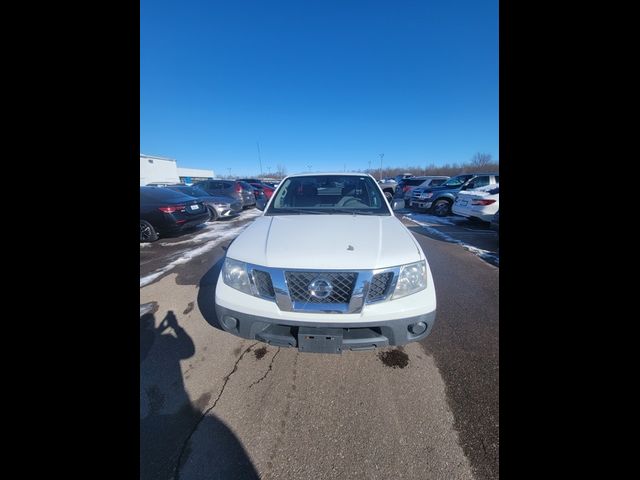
(219, 206)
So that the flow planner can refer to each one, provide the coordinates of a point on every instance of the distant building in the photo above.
(154, 169)
(191, 175)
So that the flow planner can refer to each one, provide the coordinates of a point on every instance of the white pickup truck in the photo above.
(327, 268)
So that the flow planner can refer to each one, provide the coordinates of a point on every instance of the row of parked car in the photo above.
(167, 208)
(170, 208)
(471, 195)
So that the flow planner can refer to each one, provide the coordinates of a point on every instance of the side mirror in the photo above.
(260, 204)
(397, 204)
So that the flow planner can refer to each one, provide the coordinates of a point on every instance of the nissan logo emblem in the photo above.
(320, 288)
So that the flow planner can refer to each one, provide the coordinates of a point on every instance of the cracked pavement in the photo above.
(216, 406)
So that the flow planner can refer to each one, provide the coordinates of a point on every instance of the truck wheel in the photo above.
(388, 195)
(442, 208)
(147, 232)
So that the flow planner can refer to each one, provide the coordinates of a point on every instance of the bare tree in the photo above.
(479, 163)
(450, 169)
(281, 171)
(480, 160)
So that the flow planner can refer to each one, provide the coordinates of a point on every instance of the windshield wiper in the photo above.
(302, 211)
(353, 212)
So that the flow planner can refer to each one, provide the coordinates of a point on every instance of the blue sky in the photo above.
(322, 83)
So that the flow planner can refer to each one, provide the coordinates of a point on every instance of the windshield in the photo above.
(327, 195)
(455, 181)
(413, 182)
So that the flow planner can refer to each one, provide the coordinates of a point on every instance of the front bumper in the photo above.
(356, 336)
(175, 227)
(420, 203)
(378, 324)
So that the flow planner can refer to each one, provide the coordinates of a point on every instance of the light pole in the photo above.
(381, 155)
(259, 158)
(229, 170)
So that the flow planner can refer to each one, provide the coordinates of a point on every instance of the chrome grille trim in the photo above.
(263, 284)
(288, 302)
(343, 283)
(379, 287)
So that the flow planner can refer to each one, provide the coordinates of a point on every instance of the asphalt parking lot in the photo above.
(216, 406)
(160, 257)
(472, 235)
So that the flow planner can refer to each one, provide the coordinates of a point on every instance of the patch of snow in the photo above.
(433, 219)
(484, 254)
(214, 229)
(147, 307)
(150, 278)
(189, 255)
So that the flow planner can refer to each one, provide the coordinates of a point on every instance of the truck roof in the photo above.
(310, 174)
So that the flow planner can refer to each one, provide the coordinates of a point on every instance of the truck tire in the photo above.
(442, 207)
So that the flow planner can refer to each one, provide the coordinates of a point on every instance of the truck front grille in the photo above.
(263, 283)
(342, 283)
(380, 284)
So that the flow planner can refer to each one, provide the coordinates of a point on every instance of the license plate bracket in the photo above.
(320, 340)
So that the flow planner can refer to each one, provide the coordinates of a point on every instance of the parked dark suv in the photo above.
(228, 188)
(438, 200)
(406, 186)
(164, 211)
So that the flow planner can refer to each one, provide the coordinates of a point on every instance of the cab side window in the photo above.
(480, 181)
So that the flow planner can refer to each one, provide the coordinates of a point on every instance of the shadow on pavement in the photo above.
(168, 418)
(207, 294)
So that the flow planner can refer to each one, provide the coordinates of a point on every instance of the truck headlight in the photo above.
(234, 274)
(412, 279)
(221, 205)
(426, 195)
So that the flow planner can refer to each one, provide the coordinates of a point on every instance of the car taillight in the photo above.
(238, 188)
(405, 188)
(172, 208)
(482, 202)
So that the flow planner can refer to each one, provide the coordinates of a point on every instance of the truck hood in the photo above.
(326, 242)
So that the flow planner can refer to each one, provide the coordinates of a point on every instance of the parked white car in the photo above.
(327, 268)
(481, 203)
